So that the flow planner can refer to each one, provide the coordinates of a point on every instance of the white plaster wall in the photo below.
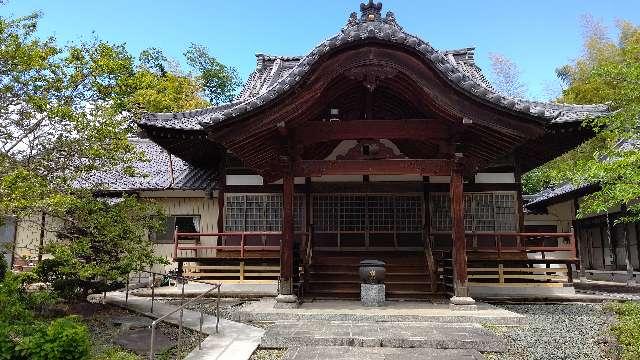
(495, 178)
(244, 180)
(28, 235)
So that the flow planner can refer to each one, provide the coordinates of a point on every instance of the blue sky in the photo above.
(538, 35)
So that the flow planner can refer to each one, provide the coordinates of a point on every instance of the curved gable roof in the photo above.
(275, 75)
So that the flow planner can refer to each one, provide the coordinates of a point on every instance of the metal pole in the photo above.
(180, 326)
(218, 309)
(153, 291)
(153, 337)
(126, 295)
(200, 335)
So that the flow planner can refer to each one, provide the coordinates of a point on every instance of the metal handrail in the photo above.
(183, 280)
(181, 309)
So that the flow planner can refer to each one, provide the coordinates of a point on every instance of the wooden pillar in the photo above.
(627, 250)
(432, 267)
(576, 229)
(519, 202)
(457, 231)
(286, 247)
(222, 184)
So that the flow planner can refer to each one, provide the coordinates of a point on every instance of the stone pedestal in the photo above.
(286, 302)
(372, 294)
(462, 303)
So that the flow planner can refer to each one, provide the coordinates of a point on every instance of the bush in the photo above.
(627, 328)
(63, 339)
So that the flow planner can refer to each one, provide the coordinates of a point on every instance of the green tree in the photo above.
(219, 82)
(67, 111)
(608, 72)
(101, 242)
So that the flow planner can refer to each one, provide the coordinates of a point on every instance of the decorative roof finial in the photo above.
(370, 11)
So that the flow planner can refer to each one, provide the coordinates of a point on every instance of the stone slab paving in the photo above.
(355, 353)
(235, 341)
(404, 311)
(284, 334)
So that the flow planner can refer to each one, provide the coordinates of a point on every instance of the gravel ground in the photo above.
(268, 354)
(558, 331)
(229, 309)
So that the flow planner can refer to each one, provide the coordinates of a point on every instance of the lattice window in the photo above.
(234, 210)
(440, 212)
(505, 211)
(408, 214)
(381, 213)
(483, 212)
(259, 212)
(334, 213)
(353, 213)
(326, 213)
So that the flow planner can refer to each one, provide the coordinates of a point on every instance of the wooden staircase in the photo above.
(334, 274)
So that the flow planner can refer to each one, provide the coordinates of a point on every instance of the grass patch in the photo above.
(627, 328)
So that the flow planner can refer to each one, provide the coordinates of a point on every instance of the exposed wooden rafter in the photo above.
(314, 132)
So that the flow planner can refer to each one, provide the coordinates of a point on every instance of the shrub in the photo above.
(63, 339)
(627, 328)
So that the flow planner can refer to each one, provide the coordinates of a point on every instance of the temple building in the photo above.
(374, 145)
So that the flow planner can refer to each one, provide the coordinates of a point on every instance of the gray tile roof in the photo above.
(548, 195)
(274, 75)
(153, 175)
(552, 194)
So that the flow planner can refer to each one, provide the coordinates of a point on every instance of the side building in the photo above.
(608, 250)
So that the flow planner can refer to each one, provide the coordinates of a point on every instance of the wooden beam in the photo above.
(459, 253)
(313, 168)
(313, 132)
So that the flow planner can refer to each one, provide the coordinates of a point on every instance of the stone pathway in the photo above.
(356, 353)
(284, 334)
(611, 295)
(395, 311)
(235, 341)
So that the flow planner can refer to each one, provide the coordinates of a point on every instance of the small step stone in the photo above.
(284, 334)
(358, 353)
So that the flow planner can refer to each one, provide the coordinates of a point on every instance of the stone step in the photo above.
(285, 334)
(356, 353)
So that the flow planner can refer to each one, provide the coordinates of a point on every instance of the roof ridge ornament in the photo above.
(372, 12)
